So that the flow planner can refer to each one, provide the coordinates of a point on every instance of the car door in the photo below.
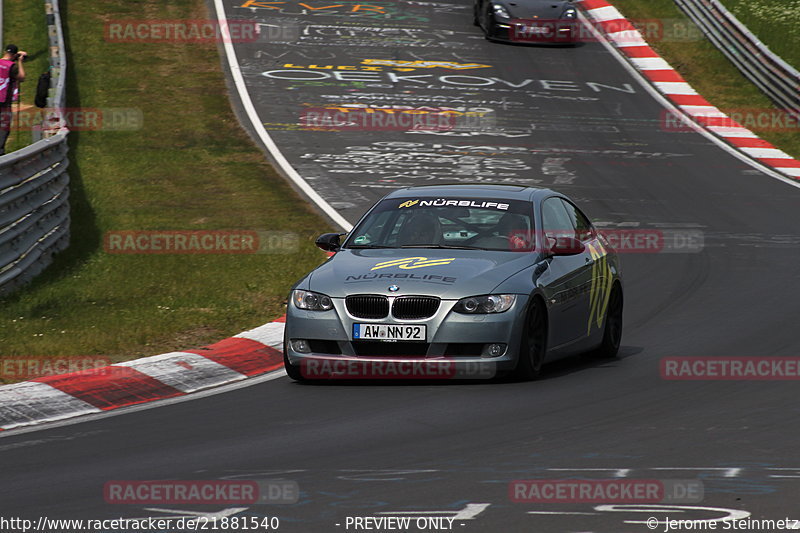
(567, 281)
(594, 276)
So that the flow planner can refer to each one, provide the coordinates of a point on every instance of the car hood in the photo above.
(448, 274)
(533, 9)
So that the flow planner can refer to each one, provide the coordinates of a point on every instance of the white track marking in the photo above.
(703, 111)
(381, 475)
(269, 334)
(211, 516)
(33, 400)
(796, 471)
(675, 87)
(603, 14)
(280, 159)
(470, 512)
(184, 371)
(732, 131)
(766, 152)
(728, 471)
(627, 38)
(618, 472)
(730, 514)
(650, 63)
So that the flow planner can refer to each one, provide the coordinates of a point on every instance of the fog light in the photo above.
(301, 346)
(493, 350)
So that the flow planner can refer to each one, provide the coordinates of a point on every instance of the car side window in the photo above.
(583, 228)
(377, 229)
(555, 219)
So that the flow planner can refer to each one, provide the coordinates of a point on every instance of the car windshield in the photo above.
(457, 222)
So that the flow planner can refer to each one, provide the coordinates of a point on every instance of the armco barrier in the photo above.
(779, 80)
(34, 185)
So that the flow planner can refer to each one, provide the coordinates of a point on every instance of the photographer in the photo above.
(11, 74)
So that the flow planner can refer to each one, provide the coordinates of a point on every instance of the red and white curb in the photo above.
(53, 398)
(654, 68)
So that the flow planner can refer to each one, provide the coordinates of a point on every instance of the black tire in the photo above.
(533, 345)
(475, 21)
(293, 371)
(489, 30)
(612, 333)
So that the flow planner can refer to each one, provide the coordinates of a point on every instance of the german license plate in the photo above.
(389, 332)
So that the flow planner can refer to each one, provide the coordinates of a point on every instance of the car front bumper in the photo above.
(456, 345)
(525, 31)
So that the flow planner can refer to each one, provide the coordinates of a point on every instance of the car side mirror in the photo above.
(329, 242)
(564, 245)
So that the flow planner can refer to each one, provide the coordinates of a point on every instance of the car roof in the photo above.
(481, 190)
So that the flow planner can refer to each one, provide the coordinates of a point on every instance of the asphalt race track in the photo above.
(573, 119)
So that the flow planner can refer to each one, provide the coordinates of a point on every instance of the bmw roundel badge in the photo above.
(393, 288)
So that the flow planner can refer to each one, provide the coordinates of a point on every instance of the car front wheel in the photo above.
(533, 345)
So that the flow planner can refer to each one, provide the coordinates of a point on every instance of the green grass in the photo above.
(775, 23)
(191, 167)
(25, 25)
(707, 69)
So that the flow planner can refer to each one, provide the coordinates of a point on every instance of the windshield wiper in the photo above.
(368, 246)
(442, 246)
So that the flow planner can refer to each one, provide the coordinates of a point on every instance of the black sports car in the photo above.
(528, 21)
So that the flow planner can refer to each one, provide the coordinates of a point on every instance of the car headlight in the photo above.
(490, 303)
(570, 13)
(500, 11)
(311, 301)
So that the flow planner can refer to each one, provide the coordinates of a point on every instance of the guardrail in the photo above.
(34, 185)
(779, 80)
